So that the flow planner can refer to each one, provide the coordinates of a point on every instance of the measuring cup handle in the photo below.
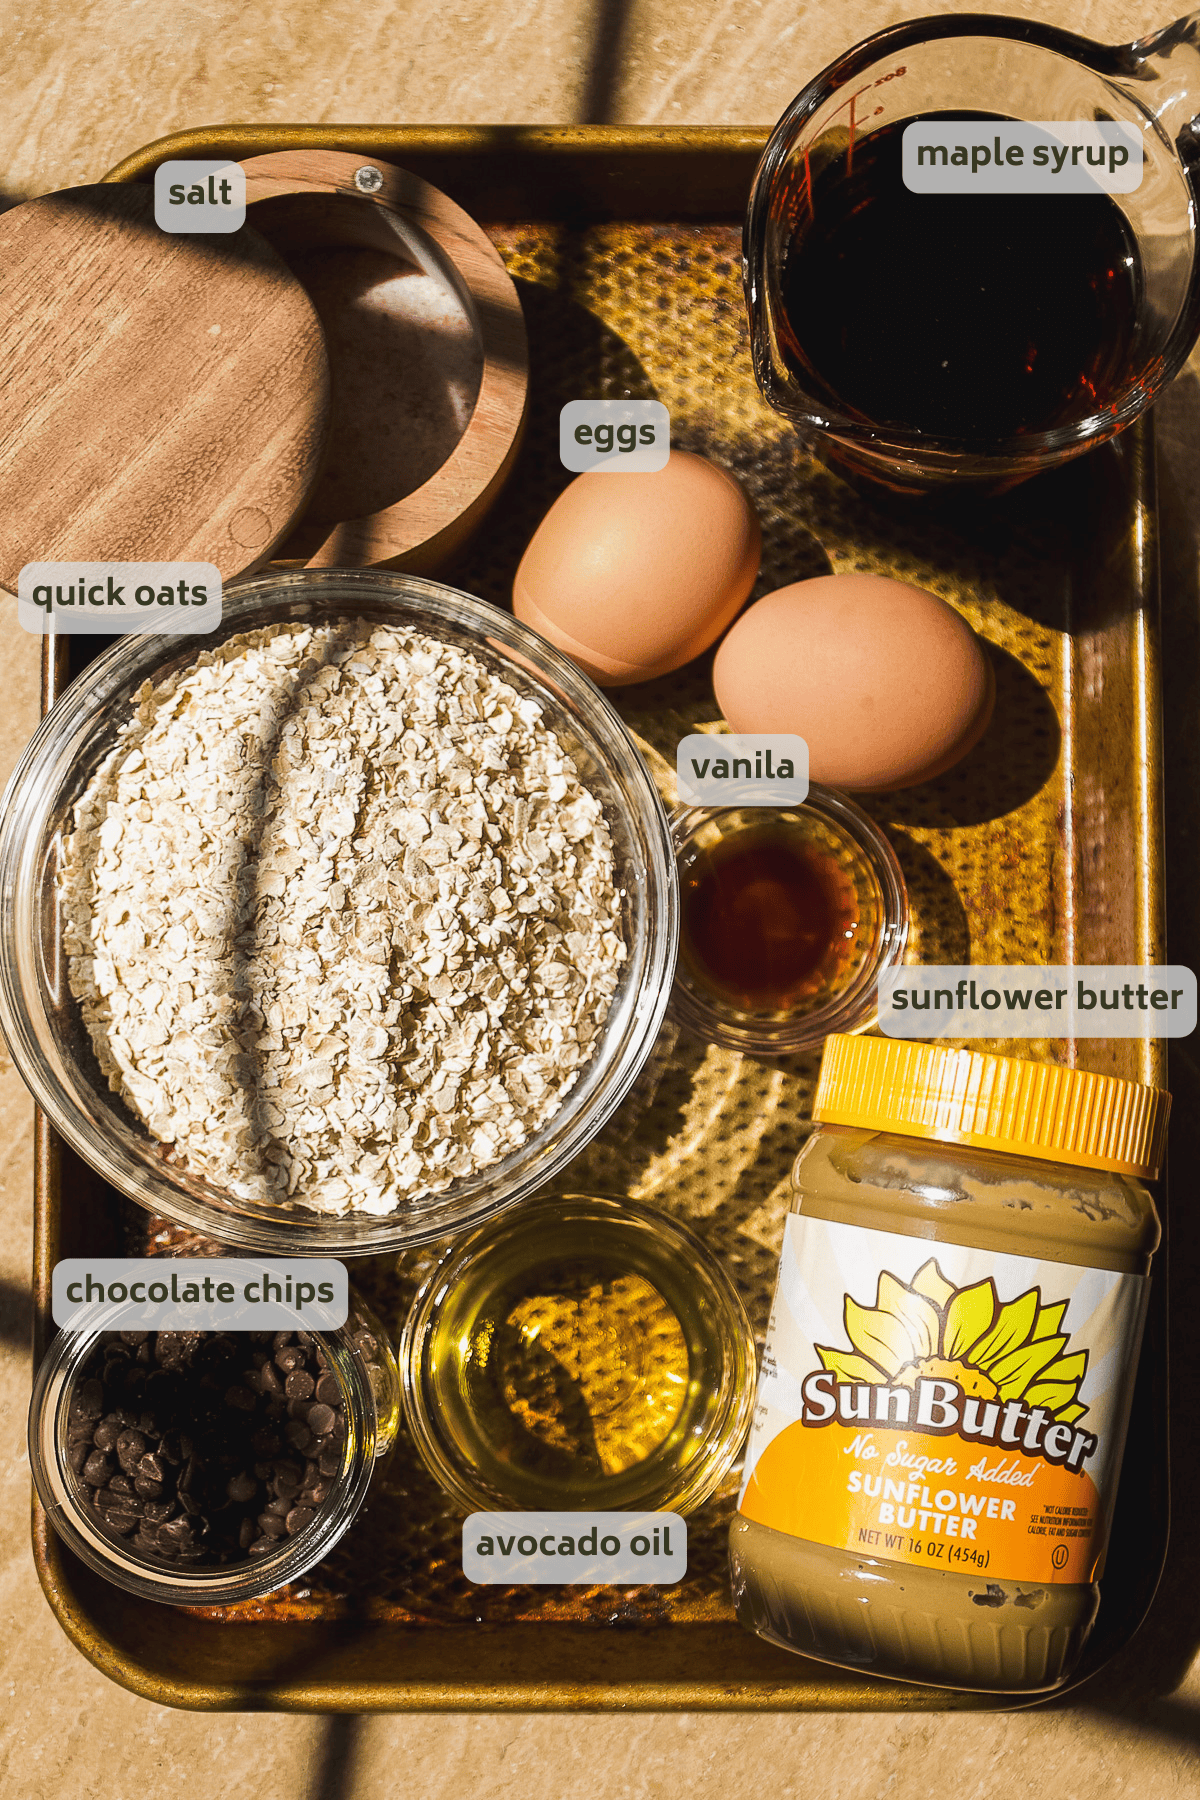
(1161, 59)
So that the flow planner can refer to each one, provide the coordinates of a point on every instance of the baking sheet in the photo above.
(1042, 846)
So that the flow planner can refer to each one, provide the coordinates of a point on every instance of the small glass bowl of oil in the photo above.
(579, 1352)
(788, 917)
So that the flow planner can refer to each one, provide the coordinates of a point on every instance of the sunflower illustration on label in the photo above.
(960, 1410)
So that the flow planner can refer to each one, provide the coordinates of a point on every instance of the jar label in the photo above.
(942, 1406)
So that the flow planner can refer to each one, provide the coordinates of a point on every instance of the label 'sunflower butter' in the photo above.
(942, 1406)
(74, 599)
(1053, 1000)
(576, 1548)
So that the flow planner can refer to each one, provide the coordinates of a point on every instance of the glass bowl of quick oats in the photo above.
(340, 928)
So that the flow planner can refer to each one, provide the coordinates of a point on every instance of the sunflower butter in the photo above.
(949, 1366)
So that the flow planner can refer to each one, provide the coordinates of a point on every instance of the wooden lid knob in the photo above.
(162, 397)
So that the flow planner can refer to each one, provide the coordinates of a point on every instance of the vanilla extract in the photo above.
(768, 916)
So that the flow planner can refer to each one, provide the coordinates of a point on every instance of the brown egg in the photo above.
(887, 684)
(634, 574)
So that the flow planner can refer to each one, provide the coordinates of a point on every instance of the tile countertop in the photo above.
(86, 83)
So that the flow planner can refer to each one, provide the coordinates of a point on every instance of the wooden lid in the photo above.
(162, 397)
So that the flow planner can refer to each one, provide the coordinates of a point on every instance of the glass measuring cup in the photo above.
(975, 65)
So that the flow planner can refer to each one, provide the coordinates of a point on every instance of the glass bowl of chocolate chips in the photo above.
(200, 1468)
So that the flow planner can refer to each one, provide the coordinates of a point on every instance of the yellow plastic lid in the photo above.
(993, 1102)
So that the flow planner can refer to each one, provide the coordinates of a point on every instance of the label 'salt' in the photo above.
(941, 1406)
(74, 599)
(199, 194)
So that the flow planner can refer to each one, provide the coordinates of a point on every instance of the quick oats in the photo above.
(340, 916)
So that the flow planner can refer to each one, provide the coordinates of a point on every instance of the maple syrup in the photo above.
(967, 317)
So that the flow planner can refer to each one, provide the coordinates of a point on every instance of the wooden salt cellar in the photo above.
(348, 200)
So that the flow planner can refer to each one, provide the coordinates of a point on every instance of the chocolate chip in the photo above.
(287, 1476)
(329, 1390)
(321, 1418)
(107, 1433)
(88, 1401)
(298, 1435)
(131, 1447)
(271, 1525)
(242, 1487)
(98, 1469)
(298, 1518)
(109, 1502)
(299, 1385)
(292, 1358)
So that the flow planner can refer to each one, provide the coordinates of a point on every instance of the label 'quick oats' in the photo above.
(959, 1410)
(93, 599)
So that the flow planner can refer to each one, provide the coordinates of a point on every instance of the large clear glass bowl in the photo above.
(42, 1023)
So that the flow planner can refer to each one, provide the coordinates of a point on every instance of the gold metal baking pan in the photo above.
(1044, 845)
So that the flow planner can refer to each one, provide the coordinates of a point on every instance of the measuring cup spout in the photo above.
(1168, 62)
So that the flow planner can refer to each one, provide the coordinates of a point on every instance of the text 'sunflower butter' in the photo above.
(949, 1365)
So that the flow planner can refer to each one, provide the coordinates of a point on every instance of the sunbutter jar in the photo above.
(949, 1366)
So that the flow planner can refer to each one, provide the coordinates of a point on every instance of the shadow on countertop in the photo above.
(1138, 1685)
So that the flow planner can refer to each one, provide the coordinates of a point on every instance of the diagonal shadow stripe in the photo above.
(333, 1773)
(16, 1314)
(603, 85)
